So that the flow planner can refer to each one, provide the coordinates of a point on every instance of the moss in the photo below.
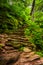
(40, 53)
(1, 46)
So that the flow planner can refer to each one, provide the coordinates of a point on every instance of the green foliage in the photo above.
(39, 18)
(12, 16)
(40, 53)
(39, 5)
(21, 48)
(34, 33)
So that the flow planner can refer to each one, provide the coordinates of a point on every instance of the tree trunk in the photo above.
(33, 5)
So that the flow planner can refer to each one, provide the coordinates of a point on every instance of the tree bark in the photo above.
(33, 5)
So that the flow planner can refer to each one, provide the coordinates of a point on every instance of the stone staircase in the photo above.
(17, 39)
(11, 56)
(29, 58)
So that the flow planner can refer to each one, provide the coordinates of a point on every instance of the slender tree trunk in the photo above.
(33, 5)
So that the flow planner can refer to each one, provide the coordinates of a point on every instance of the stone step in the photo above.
(22, 59)
(37, 62)
(18, 37)
(41, 59)
(7, 58)
(27, 55)
(34, 57)
(8, 48)
(23, 43)
(19, 33)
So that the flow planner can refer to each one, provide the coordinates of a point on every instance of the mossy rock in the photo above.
(1, 45)
(13, 43)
